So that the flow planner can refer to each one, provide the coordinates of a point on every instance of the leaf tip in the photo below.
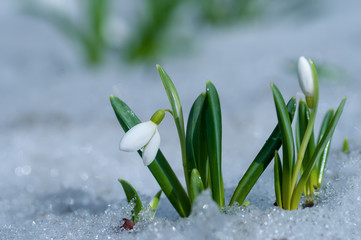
(160, 69)
(273, 86)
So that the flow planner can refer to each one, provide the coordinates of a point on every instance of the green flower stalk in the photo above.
(177, 116)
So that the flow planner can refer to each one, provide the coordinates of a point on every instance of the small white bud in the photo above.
(305, 77)
(306, 80)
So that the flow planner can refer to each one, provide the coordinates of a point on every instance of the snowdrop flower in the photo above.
(306, 80)
(144, 136)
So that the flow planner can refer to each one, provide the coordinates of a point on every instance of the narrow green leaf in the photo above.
(303, 119)
(325, 123)
(160, 168)
(278, 179)
(321, 162)
(126, 117)
(177, 115)
(288, 145)
(345, 147)
(261, 161)
(132, 195)
(196, 146)
(300, 128)
(298, 133)
(172, 95)
(214, 140)
(301, 123)
(201, 150)
(318, 151)
(196, 185)
(155, 202)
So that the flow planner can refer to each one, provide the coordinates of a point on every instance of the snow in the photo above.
(59, 157)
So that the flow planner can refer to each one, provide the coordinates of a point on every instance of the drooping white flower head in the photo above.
(144, 136)
(305, 77)
(151, 149)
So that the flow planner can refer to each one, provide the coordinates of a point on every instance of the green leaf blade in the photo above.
(132, 195)
(196, 184)
(303, 120)
(345, 146)
(177, 115)
(261, 161)
(288, 145)
(325, 123)
(126, 117)
(172, 95)
(321, 162)
(278, 179)
(214, 141)
(196, 147)
(155, 202)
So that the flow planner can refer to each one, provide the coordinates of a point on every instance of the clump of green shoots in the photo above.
(291, 178)
(201, 149)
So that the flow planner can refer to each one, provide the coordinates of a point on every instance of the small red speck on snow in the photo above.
(126, 224)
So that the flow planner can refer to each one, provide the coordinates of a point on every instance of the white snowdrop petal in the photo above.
(150, 151)
(305, 76)
(138, 136)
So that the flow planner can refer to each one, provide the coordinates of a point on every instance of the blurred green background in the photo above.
(149, 30)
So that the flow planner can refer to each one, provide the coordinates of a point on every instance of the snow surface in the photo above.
(59, 157)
